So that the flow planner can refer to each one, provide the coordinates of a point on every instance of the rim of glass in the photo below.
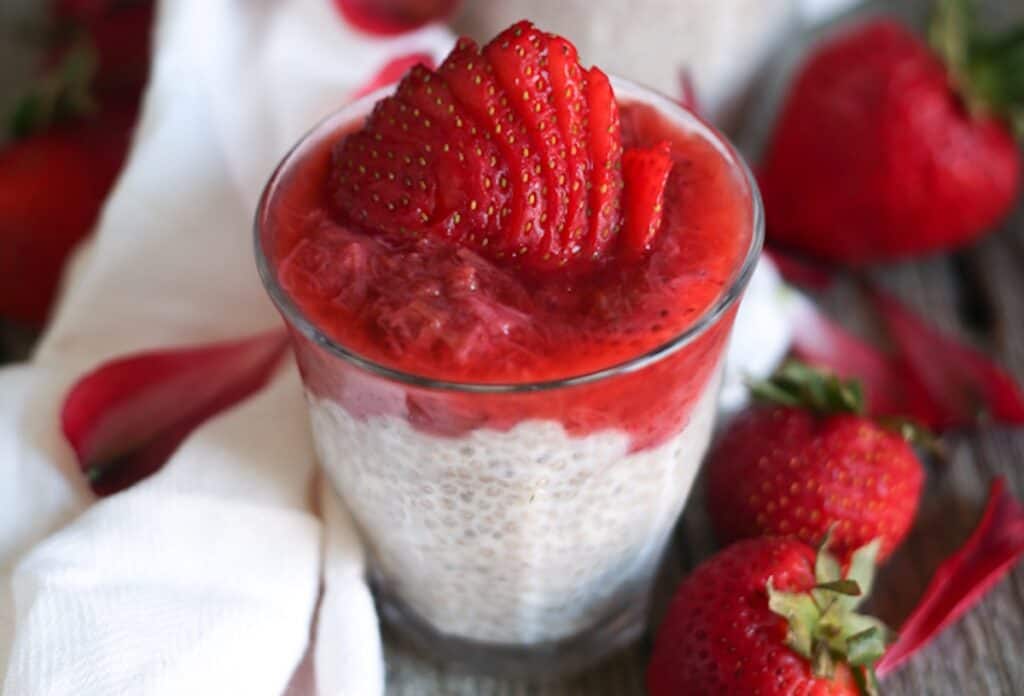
(626, 89)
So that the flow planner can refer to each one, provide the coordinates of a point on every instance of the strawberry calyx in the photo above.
(799, 385)
(987, 68)
(64, 93)
(822, 624)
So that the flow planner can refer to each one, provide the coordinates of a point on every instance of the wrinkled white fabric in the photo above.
(205, 578)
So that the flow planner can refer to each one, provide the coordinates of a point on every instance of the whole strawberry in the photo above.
(765, 616)
(71, 131)
(807, 462)
(886, 150)
(52, 186)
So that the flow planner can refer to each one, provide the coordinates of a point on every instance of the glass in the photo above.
(500, 534)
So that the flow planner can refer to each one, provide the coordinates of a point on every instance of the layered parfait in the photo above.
(510, 281)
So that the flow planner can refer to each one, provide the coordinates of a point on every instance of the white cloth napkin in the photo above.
(205, 578)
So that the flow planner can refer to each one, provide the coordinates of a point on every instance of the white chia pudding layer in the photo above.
(518, 537)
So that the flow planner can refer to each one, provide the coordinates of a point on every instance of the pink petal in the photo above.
(390, 17)
(819, 341)
(963, 579)
(688, 91)
(125, 418)
(801, 271)
(960, 382)
(394, 71)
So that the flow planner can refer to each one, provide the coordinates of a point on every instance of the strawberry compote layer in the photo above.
(514, 445)
(428, 308)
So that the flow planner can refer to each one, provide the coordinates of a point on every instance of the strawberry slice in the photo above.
(606, 156)
(568, 91)
(393, 191)
(519, 56)
(473, 83)
(390, 174)
(478, 206)
(644, 174)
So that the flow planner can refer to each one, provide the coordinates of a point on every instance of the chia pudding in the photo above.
(515, 427)
(524, 536)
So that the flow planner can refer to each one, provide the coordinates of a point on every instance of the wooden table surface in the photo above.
(977, 294)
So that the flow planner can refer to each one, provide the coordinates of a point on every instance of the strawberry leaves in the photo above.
(126, 417)
(987, 68)
(798, 385)
(823, 627)
(63, 94)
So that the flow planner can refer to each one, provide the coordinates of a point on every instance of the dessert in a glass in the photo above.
(509, 283)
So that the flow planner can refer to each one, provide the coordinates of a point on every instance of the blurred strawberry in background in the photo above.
(69, 136)
(887, 148)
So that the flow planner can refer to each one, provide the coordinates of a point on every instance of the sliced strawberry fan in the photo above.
(126, 418)
(512, 149)
(964, 578)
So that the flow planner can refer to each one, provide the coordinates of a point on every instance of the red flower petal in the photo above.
(964, 578)
(390, 17)
(393, 71)
(819, 341)
(960, 383)
(688, 91)
(125, 418)
(801, 271)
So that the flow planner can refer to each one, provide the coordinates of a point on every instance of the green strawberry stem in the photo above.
(63, 93)
(823, 627)
(799, 385)
(987, 68)
(802, 386)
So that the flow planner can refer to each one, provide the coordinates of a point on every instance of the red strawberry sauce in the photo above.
(430, 308)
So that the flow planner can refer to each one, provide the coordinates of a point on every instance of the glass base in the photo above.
(541, 661)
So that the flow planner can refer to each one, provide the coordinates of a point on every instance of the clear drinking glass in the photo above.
(499, 535)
